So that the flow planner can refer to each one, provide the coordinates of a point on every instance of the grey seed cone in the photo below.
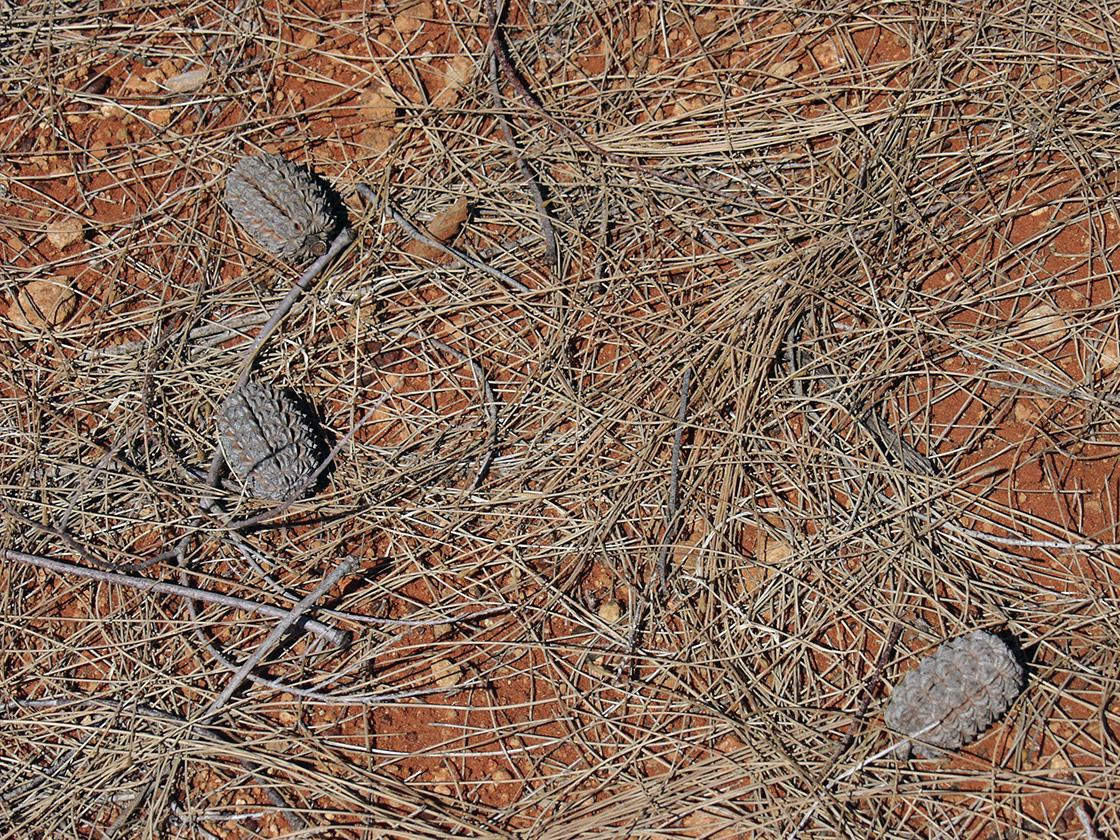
(965, 685)
(267, 441)
(285, 210)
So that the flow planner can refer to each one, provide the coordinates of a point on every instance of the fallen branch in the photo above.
(339, 638)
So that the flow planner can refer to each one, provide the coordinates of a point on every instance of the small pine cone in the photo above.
(966, 684)
(282, 206)
(268, 442)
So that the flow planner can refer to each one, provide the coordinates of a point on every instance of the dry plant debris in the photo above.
(779, 345)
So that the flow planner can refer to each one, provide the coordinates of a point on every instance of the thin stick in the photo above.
(1043, 384)
(632, 638)
(343, 699)
(868, 695)
(340, 243)
(431, 241)
(671, 523)
(551, 254)
(1091, 832)
(340, 571)
(73, 544)
(339, 638)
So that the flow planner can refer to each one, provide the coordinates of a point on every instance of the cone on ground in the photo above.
(282, 206)
(268, 442)
(962, 688)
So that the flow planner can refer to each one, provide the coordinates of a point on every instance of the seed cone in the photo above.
(964, 686)
(282, 206)
(268, 442)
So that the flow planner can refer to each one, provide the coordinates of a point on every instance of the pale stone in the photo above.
(826, 56)
(446, 673)
(169, 67)
(774, 551)
(376, 106)
(610, 611)
(1110, 355)
(458, 73)
(65, 232)
(112, 111)
(187, 81)
(1042, 326)
(412, 19)
(460, 69)
(729, 743)
(140, 86)
(786, 68)
(377, 139)
(43, 303)
(706, 24)
(1026, 411)
(444, 227)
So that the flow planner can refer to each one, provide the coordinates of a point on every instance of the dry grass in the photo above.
(879, 433)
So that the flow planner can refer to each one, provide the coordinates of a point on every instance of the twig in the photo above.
(55, 769)
(1091, 832)
(315, 694)
(597, 284)
(1043, 385)
(73, 544)
(868, 695)
(340, 243)
(290, 617)
(204, 333)
(190, 822)
(954, 531)
(431, 241)
(551, 254)
(127, 811)
(1102, 719)
(293, 616)
(639, 617)
(671, 523)
(215, 471)
(252, 557)
(339, 638)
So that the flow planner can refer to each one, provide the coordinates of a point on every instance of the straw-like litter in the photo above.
(815, 371)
